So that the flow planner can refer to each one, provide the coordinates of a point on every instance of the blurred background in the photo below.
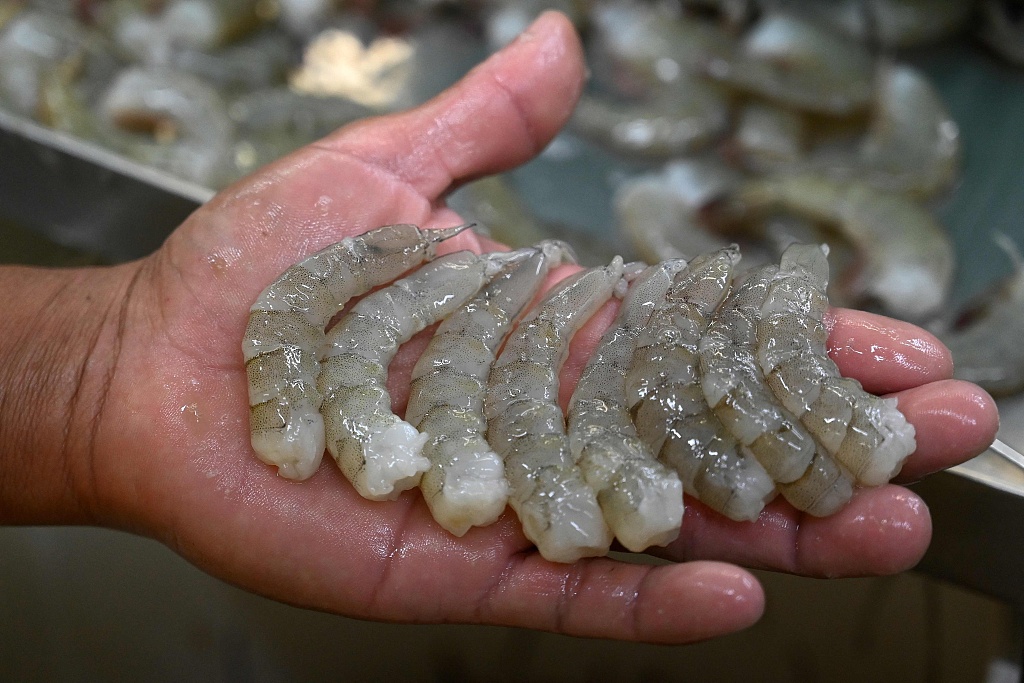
(119, 117)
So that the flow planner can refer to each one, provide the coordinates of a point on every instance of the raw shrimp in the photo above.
(525, 425)
(465, 485)
(283, 340)
(737, 392)
(913, 144)
(32, 46)
(169, 119)
(376, 450)
(678, 120)
(866, 434)
(652, 45)
(642, 500)
(769, 136)
(153, 39)
(664, 395)
(906, 256)
(799, 64)
(986, 350)
(658, 212)
(892, 23)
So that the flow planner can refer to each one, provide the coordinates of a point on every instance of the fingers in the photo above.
(882, 531)
(886, 355)
(953, 420)
(500, 115)
(604, 598)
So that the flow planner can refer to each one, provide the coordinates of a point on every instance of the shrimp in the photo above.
(169, 119)
(642, 500)
(735, 391)
(664, 395)
(867, 435)
(913, 145)
(285, 333)
(32, 46)
(741, 398)
(769, 136)
(658, 212)
(801, 65)
(655, 46)
(891, 23)
(986, 349)
(677, 121)
(465, 485)
(906, 257)
(153, 39)
(558, 510)
(376, 450)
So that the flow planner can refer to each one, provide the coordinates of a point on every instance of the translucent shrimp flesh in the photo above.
(283, 341)
(866, 435)
(168, 119)
(739, 394)
(525, 424)
(906, 257)
(913, 144)
(678, 120)
(465, 485)
(658, 212)
(667, 404)
(376, 450)
(800, 64)
(642, 500)
(891, 23)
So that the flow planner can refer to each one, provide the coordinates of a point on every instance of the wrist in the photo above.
(58, 350)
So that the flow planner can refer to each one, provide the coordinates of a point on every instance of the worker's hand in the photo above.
(158, 437)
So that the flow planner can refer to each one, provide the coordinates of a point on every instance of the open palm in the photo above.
(170, 446)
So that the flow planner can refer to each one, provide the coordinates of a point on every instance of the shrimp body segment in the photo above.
(642, 500)
(285, 334)
(525, 425)
(664, 394)
(465, 485)
(735, 387)
(866, 434)
(379, 452)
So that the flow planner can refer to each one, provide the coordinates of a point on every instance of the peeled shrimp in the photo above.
(738, 393)
(169, 119)
(525, 425)
(376, 450)
(642, 500)
(678, 120)
(465, 485)
(799, 64)
(664, 394)
(283, 340)
(907, 258)
(866, 434)
(658, 212)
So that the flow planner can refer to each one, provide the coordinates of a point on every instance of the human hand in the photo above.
(154, 436)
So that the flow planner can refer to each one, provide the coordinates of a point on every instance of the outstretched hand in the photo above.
(167, 453)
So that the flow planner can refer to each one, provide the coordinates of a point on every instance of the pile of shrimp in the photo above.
(710, 381)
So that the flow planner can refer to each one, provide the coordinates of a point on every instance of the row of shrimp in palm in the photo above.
(711, 381)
